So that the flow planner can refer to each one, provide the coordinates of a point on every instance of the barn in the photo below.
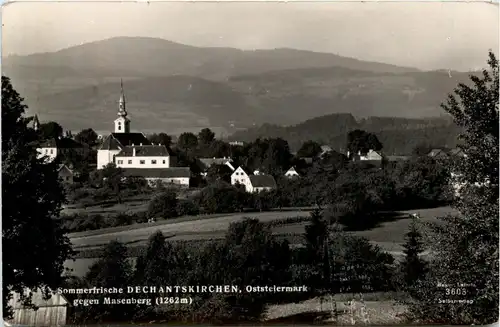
(51, 312)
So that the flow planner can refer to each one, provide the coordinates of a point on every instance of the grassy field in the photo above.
(317, 311)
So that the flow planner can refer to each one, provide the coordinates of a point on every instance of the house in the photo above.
(438, 154)
(167, 176)
(253, 183)
(292, 172)
(114, 143)
(457, 153)
(47, 150)
(51, 312)
(206, 163)
(66, 174)
(371, 155)
(144, 156)
(237, 143)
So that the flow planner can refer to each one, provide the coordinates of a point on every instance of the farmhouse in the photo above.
(253, 183)
(51, 312)
(291, 173)
(66, 174)
(167, 176)
(438, 154)
(371, 155)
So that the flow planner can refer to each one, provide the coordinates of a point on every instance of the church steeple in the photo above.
(36, 123)
(122, 123)
(122, 102)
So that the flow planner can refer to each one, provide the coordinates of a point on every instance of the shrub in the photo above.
(187, 208)
(163, 205)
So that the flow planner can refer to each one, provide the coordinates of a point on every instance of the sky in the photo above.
(425, 35)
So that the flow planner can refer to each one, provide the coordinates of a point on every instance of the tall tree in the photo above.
(466, 245)
(51, 130)
(309, 149)
(362, 141)
(87, 136)
(161, 138)
(413, 266)
(206, 136)
(35, 245)
(187, 141)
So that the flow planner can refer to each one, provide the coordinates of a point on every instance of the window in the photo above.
(130, 162)
(153, 162)
(243, 181)
(51, 151)
(142, 162)
(164, 161)
(237, 173)
(119, 128)
(120, 162)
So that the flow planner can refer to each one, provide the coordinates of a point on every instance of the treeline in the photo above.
(249, 255)
(398, 135)
(353, 195)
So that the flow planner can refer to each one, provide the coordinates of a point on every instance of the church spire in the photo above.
(122, 112)
(36, 123)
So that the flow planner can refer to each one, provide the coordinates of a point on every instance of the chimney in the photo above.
(132, 144)
(140, 144)
(133, 152)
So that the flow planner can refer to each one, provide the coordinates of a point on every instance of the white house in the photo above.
(371, 155)
(144, 156)
(167, 176)
(292, 173)
(47, 150)
(253, 183)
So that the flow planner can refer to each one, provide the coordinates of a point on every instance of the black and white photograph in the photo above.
(250, 163)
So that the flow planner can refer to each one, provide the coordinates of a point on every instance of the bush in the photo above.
(187, 208)
(163, 205)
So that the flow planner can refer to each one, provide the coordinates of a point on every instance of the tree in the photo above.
(187, 141)
(413, 267)
(31, 197)
(219, 172)
(361, 141)
(161, 138)
(465, 246)
(87, 136)
(112, 179)
(112, 270)
(51, 130)
(309, 149)
(163, 205)
(206, 136)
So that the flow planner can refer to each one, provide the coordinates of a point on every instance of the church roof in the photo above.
(262, 181)
(117, 141)
(144, 151)
(173, 172)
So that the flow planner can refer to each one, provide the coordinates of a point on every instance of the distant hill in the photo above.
(173, 87)
(399, 136)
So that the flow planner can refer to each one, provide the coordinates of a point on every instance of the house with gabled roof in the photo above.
(438, 154)
(253, 182)
(52, 148)
(292, 173)
(66, 174)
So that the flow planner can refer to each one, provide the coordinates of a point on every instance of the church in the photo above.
(137, 155)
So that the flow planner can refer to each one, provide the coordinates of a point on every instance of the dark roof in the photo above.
(63, 143)
(65, 170)
(116, 141)
(262, 181)
(144, 151)
(437, 153)
(158, 172)
(206, 163)
(457, 152)
(397, 158)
